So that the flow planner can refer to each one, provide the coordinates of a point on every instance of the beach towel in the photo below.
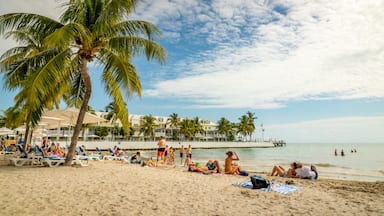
(278, 188)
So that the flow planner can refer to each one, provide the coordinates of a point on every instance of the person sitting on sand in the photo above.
(230, 167)
(135, 159)
(278, 170)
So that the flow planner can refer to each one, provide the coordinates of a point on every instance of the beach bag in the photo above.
(259, 182)
(243, 173)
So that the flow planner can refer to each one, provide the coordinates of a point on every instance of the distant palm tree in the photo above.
(198, 127)
(251, 124)
(88, 31)
(224, 127)
(187, 128)
(2, 121)
(242, 126)
(246, 126)
(147, 126)
(174, 122)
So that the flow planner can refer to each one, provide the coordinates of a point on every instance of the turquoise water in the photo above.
(367, 164)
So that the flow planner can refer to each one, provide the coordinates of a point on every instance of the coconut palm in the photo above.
(147, 126)
(251, 123)
(224, 127)
(198, 127)
(19, 64)
(174, 122)
(246, 125)
(88, 31)
(242, 126)
(187, 128)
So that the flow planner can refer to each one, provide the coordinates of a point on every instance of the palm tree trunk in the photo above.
(83, 109)
(26, 134)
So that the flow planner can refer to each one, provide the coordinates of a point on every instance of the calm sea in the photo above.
(367, 164)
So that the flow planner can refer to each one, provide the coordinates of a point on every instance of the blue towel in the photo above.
(279, 188)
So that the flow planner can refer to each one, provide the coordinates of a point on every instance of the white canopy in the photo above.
(5, 131)
(68, 117)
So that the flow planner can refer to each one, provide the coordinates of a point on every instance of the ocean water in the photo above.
(367, 164)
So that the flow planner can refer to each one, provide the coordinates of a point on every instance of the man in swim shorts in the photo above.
(161, 148)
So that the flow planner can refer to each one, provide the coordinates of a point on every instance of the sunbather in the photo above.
(305, 172)
(230, 167)
(211, 166)
(278, 170)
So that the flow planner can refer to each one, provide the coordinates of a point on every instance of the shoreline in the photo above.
(152, 145)
(112, 188)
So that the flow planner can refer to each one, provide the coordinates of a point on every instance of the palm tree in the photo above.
(19, 64)
(198, 127)
(88, 31)
(251, 123)
(187, 128)
(242, 126)
(174, 122)
(246, 125)
(147, 126)
(224, 127)
(2, 121)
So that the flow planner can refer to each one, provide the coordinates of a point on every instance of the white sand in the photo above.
(112, 188)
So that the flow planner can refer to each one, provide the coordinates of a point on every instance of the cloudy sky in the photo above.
(311, 71)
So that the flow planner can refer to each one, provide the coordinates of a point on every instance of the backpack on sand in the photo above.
(259, 182)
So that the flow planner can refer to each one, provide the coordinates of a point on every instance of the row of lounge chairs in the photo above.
(39, 158)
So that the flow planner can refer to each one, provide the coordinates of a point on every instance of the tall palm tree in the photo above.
(198, 127)
(224, 127)
(174, 122)
(19, 64)
(242, 126)
(147, 126)
(187, 128)
(87, 31)
(251, 123)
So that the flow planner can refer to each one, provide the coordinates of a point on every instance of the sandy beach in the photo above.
(112, 188)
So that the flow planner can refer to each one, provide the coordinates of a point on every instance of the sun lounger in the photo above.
(55, 161)
(24, 158)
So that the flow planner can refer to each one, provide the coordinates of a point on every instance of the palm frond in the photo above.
(138, 46)
(122, 71)
(28, 22)
(112, 88)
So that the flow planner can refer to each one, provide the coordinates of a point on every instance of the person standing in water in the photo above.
(335, 152)
(342, 152)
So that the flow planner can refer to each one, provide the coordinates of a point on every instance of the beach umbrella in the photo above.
(69, 116)
(5, 131)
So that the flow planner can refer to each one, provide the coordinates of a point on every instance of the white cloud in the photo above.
(319, 50)
(335, 130)
(49, 8)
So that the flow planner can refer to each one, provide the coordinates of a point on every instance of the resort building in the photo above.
(161, 127)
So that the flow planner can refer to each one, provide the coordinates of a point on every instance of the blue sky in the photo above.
(312, 71)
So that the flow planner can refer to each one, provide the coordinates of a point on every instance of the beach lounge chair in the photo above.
(54, 161)
(98, 150)
(24, 158)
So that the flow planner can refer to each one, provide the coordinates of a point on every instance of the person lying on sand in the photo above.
(305, 172)
(230, 167)
(278, 170)
(210, 167)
